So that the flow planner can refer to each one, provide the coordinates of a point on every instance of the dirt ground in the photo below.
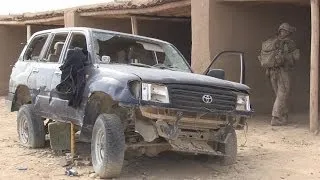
(289, 152)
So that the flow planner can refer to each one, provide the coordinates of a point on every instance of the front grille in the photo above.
(190, 97)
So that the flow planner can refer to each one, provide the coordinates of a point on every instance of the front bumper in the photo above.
(168, 107)
(193, 119)
(9, 100)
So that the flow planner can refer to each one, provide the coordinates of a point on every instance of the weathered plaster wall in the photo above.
(121, 25)
(243, 27)
(72, 19)
(10, 47)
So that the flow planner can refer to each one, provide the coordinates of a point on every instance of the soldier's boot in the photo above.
(276, 122)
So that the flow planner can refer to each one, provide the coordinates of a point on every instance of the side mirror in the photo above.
(217, 73)
(105, 59)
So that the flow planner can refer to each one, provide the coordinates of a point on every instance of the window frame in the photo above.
(52, 35)
(67, 45)
(44, 47)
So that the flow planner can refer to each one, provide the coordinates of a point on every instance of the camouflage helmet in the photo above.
(287, 27)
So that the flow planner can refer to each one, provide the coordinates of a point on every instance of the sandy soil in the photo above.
(289, 152)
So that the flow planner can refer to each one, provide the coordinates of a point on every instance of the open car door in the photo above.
(220, 73)
(234, 57)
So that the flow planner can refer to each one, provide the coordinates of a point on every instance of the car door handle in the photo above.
(35, 70)
(58, 72)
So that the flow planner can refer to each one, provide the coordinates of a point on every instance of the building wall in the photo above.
(10, 47)
(243, 26)
(121, 25)
(177, 33)
(12, 42)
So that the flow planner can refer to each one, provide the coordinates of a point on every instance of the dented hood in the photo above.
(164, 76)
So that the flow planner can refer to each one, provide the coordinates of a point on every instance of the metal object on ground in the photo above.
(70, 171)
(22, 168)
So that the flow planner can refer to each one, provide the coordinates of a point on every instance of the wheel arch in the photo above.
(22, 96)
(98, 102)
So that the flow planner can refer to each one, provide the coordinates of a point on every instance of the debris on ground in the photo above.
(64, 161)
(22, 168)
(82, 163)
(93, 175)
(70, 171)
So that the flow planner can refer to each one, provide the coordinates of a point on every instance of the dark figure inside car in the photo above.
(73, 76)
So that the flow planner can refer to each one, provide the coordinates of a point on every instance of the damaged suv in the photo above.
(123, 91)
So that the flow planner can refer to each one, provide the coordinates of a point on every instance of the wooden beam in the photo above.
(134, 25)
(314, 67)
(146, 17)
(166, 18)
(29, 33)
(72, 141)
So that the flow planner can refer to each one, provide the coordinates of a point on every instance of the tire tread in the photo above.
(115, 145)
(35, 125)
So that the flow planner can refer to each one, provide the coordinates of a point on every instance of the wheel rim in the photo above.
(99, 150)
(24, 130)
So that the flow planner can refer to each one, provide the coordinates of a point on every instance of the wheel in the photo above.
(229, 148)
(30, 127)
(107, 146)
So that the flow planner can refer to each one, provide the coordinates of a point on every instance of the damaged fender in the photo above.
(114, 89)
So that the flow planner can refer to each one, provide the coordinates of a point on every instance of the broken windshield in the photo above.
(125, 50)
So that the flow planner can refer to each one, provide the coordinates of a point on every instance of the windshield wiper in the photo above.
(141, 65)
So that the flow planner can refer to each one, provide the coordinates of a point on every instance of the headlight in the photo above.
(155, 93)
(243, 103)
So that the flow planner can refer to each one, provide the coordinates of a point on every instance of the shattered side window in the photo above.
(98, 38)
(35, 47)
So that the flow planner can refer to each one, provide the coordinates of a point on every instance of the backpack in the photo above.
(270, 54)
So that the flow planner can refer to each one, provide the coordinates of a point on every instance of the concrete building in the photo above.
(199, 28)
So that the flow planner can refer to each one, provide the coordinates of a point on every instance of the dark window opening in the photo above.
(78, 41)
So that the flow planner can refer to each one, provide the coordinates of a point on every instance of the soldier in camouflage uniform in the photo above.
(279, 76)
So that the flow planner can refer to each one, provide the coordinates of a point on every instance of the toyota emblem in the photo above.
(207, 99)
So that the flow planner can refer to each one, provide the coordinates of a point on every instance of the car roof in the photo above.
(90, 30)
